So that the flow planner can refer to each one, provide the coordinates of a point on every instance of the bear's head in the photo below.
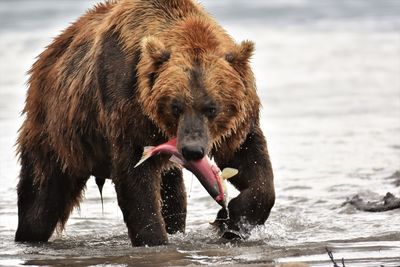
(196, 84)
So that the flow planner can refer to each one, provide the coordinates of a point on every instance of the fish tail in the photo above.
(229, 173)
(147, 153)
(224, 185)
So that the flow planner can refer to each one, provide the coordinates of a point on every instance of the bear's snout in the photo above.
(192, 152)
(193, 136)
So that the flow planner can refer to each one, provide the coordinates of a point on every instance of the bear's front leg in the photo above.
(138, 193)
(255, 183)
(174, 203)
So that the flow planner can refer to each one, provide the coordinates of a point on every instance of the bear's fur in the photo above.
(132, 73)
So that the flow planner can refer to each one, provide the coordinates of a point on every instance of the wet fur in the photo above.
(94, 100)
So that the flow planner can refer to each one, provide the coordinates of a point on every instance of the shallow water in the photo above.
(328, 76)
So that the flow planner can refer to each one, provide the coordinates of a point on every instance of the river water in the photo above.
(328, 74)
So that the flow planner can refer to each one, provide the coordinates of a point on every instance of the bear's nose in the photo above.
(192, 152)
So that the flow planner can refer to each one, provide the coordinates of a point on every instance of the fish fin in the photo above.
(176, 160)
(146, 154)
(228, 173)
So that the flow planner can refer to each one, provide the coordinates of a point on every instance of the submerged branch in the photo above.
(389, 202)
(330, 254)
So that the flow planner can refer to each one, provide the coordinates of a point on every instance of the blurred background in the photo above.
(328, 74)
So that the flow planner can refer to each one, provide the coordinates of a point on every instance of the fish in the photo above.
(206, 171)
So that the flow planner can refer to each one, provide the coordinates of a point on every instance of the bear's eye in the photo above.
(210, 112)
(176, 110)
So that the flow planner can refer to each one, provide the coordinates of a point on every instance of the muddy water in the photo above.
(328, 75)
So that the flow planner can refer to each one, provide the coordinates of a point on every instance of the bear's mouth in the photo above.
(208, 174)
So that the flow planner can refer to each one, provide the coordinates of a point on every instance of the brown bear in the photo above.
(133, 73)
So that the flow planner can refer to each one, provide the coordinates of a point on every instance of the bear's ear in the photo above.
(155, 50)
(241, 54)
